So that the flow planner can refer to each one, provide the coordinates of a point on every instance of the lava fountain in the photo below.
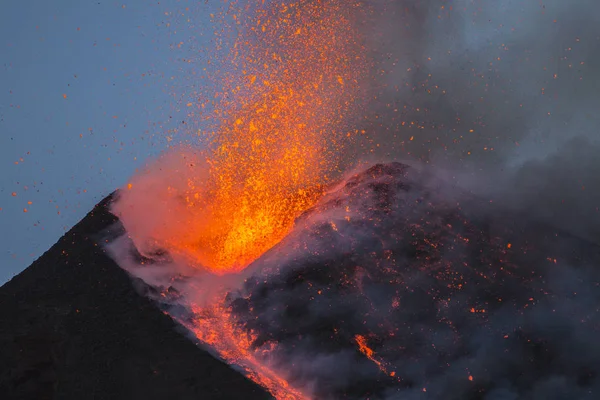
(291, 85)
(292, 79)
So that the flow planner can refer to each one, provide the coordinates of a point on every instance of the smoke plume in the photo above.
(498, 95)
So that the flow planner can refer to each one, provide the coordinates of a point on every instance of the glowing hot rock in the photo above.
(292, 81)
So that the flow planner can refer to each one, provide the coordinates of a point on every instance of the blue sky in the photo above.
(89, 91)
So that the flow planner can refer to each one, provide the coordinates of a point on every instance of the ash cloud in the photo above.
(501, 96)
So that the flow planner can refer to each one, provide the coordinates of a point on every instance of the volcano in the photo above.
(394, 285)
(72, 326)
(398, 285)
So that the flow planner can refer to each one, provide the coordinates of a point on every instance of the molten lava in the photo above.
(292, 79)
(216, 327)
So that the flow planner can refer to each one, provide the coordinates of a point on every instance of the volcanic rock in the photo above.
(73, 327)
(399, 286)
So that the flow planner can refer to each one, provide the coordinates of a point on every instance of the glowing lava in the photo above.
(292, 79)
(215, 327)
(297, 71)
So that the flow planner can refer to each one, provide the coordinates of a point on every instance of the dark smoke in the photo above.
(441, 294)
(500, 95)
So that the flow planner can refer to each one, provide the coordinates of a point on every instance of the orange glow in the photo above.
(214, 326)
(363, 347)
(294, 76)
(293, 82)
(290, 83)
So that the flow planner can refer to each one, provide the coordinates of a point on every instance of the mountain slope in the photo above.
(73, 327)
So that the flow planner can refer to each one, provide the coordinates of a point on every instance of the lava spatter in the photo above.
(292, 80)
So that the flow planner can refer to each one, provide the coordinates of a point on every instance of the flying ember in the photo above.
(293, 77)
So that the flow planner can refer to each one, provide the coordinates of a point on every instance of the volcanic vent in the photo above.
(397, 285)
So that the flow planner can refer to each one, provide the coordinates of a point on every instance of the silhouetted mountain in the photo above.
(73, 327)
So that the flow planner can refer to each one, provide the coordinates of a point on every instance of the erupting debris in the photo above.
(294, 79)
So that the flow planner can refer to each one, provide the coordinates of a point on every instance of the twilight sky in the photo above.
(89, 90)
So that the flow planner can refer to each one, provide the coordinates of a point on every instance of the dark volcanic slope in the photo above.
(396, 287)
(72, 327)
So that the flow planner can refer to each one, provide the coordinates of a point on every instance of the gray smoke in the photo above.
(502, 96)
(457, 299)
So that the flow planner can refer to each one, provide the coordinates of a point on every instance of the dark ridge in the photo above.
(73, 327)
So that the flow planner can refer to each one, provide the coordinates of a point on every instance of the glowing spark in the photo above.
(277, 144)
